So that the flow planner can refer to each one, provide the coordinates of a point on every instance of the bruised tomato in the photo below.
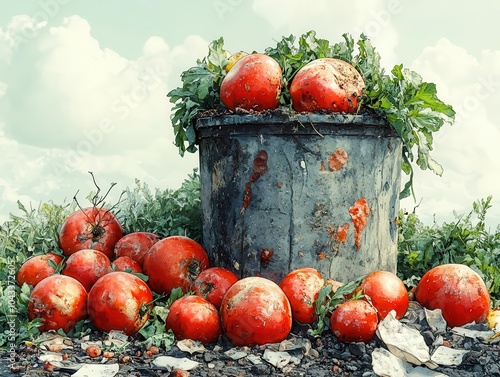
(326, 84)
(135, 245)
(119, 301)
(195, 318)
(255, 311)
(127, 264)
(253, 83)
(37, 268)
(387, 292)
(301, 286)
(354, 321)
(90, 228)
(87, 266)
(174, 262)
(60, 301)
(457, 290)
(213, 283)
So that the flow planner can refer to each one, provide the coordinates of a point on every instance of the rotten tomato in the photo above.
(37, 268)
(301, 286)
(354, 321)
(119, 301)
(457, 290)
(87, 266)
(255, 311)
(174, 262)
(213, 283)
(195, 318)
(60, 301)
(135, 245)
(90, 228)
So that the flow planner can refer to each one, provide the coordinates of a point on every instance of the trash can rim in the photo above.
(280, 118)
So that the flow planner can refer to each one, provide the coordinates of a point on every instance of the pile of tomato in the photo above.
(101, 268)
(98, 277)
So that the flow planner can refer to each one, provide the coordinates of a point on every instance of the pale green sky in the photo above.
(90, 60)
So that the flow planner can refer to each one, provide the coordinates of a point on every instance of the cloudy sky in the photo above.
(83, 86)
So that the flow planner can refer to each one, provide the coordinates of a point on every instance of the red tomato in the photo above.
(193, 317)
(354, 321)
(87, 266)
(90, 228)
(457, 290)
(253, 83)
(37, 268)
(326, 84)
(255, 311)
(301, 287)
(119, 301)
(135, 245)
(60, 301)
(213, 283)
(174, 262)
(127, 264)
(387, 292)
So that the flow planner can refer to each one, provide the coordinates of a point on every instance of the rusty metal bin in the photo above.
(281, 191)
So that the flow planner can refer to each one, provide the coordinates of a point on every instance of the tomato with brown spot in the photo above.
(213, 283)
(60, 301)
(301, 286)
(195, 318)
(174, 262)
(327, 84)
(255, 311)
(119, 301)
(37, 268)
(90, 228)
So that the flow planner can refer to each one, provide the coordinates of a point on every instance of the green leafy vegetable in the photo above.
(410, 105)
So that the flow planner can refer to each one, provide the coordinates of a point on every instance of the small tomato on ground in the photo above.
(255, 311)
(60, 301)
(457, 290)
(195, 318)
(37, 268)
(174, 262)
(301, 286)
(354, 321)
(387, 292)
(119, 301)
(213, 283)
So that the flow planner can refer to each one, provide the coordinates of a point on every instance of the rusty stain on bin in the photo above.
(359, 212)
(341, 234)
(337, 159)
(259, 168)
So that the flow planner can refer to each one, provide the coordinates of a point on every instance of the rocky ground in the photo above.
(300, 355)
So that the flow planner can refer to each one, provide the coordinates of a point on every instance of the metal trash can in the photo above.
(282, 191)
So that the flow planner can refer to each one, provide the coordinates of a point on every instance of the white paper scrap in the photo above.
(173, 362)
(97, 370)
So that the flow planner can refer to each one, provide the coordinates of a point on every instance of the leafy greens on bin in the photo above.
(410, 105)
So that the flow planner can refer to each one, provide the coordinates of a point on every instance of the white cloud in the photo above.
(76, 107)
(332, 19)
(468, 150)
